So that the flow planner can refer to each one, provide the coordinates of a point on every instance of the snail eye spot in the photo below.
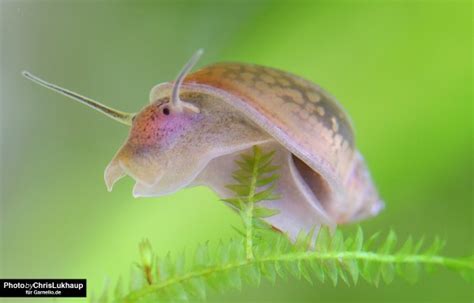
(166, 111)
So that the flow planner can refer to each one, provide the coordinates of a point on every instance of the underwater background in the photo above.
(402, 70)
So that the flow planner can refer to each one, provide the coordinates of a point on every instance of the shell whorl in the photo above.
(304, 119)
(318, 128)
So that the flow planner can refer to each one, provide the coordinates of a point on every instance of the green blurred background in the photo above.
(402, 69)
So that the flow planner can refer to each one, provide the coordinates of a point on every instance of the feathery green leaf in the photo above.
(260, 252)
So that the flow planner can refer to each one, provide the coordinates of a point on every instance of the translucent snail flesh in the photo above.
(192, 130)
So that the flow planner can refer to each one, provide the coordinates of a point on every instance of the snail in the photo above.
(194, 128)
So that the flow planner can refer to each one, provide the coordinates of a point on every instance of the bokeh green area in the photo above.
(402, 69)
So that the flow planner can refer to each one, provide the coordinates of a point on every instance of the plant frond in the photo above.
(260, 253)
(332, 259)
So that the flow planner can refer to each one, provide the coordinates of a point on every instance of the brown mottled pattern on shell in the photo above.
(300, 108)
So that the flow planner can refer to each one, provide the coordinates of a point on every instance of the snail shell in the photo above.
(324, 179)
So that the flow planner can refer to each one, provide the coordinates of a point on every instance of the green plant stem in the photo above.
(249, 232)
(310, 255)
(249, 210)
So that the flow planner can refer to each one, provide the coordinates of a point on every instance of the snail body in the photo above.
(194, 128)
